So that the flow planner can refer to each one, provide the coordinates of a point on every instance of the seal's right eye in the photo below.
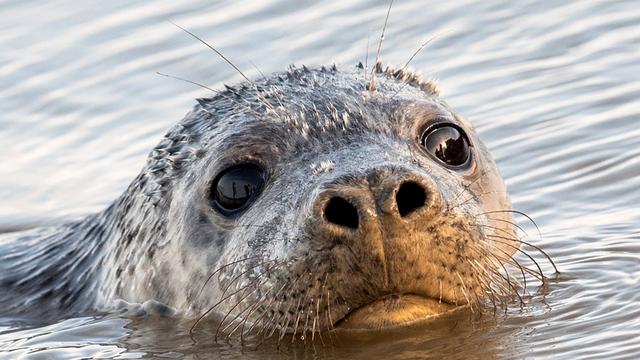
(235, 188)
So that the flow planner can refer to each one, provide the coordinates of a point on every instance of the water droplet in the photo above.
(302, 337)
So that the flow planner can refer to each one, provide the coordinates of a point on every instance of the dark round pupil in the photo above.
(237, 185)
(448, 144)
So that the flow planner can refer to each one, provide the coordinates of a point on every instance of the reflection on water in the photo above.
(111, 336)
(553, 89)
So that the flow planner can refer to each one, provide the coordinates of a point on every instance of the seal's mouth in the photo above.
(394, 311)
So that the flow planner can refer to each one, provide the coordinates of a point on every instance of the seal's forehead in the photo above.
(321, 89)
(295, 133)
(303, 106)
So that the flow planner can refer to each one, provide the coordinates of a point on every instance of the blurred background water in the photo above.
(553, 87)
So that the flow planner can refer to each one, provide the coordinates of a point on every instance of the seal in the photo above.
(308, 200)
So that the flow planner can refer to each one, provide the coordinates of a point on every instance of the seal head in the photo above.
(314, 201)
(295, 204)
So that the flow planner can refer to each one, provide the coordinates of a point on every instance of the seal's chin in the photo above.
(394, 311)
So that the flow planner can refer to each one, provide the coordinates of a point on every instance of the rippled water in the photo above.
(553, 88)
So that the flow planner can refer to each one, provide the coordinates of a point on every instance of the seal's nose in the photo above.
(387, 198)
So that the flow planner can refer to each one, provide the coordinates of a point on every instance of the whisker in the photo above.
(468, 186)
(372, 84)
(222, 268)
(506, 275)
(251, 309)
(220, 302)
(261, 99)
(317, 317)
(526, 234)
(544, 253)
(303, 301)
(524, 278)
(287, 312)
(329, 318)
(306, 324)
(261, 318)
(516, 212)
(295, 327)
(473, 197)
(233, 281)
(366, 60)
(496, 298)
(420, 48)
(509, 237)
(503, 231)
(308, 311)
(480, 271)
(256, 305)
(464, 292)
(214, 49)
(187, 81)
(510, 258)
(274, 323)
(258, 69)
(242, 298)
(501, 240)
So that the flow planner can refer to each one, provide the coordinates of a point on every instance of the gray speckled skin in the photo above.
(316, 132)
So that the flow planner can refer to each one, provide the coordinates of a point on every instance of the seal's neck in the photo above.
(137, 230)
(51, 271)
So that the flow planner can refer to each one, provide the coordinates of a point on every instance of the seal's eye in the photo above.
(236, 187)
(448, 143)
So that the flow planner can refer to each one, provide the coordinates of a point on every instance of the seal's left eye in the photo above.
(235, 188)
(447, 143)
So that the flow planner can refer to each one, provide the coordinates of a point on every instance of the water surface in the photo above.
(553, 88)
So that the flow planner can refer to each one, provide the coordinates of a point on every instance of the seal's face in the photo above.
(311, 202)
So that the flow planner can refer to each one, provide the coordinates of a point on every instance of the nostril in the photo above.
(340, 212)
(410, 197)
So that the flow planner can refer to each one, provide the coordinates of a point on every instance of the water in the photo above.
(553, 88)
